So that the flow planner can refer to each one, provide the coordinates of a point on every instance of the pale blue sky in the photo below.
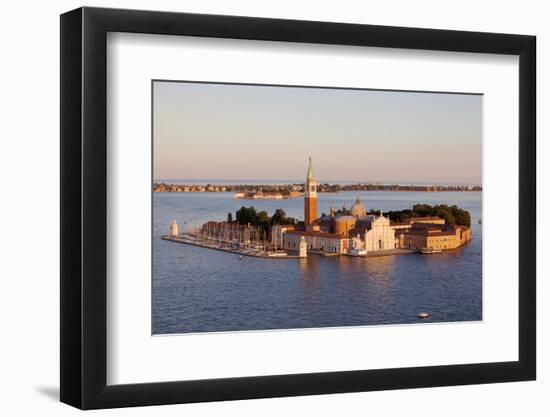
(223, 131)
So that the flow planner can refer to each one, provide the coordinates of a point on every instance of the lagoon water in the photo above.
(203, 290)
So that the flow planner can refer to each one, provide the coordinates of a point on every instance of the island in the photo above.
(422, 229)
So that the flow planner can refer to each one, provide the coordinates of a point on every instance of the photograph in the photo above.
(280, 207)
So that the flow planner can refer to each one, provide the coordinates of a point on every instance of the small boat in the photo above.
(277, 254)
(240, 257)
(427, 251)
(423, 315)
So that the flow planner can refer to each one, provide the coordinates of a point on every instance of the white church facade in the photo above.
(379, 235)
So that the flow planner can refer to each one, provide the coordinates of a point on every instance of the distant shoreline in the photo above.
(293, 189)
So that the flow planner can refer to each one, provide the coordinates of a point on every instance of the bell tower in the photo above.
(310, 197)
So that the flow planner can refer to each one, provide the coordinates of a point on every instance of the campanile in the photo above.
(310, 197)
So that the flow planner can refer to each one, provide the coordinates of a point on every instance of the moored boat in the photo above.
(430, 251)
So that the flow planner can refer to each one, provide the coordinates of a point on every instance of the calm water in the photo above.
(202, 290)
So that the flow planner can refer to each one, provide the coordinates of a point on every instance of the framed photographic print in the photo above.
(258, 207)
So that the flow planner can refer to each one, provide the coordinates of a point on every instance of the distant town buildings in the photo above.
(294, 190)
(270, 195)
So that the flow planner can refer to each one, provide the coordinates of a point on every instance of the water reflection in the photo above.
(306, 267)
(309, 273)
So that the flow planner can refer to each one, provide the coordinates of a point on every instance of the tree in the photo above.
(461, 216)
(246, 215)
(423, 210)
(263, 219)
(445, 213)
(453, 215)
(278, 217)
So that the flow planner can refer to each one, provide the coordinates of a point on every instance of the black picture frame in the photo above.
(84, 207)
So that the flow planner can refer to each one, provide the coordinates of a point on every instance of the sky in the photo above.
(207, 131)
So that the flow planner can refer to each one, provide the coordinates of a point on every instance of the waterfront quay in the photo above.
(254, 251)
(257, 251)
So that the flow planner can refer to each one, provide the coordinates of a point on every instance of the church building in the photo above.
(355, 232)
(339, 233)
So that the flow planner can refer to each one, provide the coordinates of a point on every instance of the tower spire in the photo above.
(310, 171)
